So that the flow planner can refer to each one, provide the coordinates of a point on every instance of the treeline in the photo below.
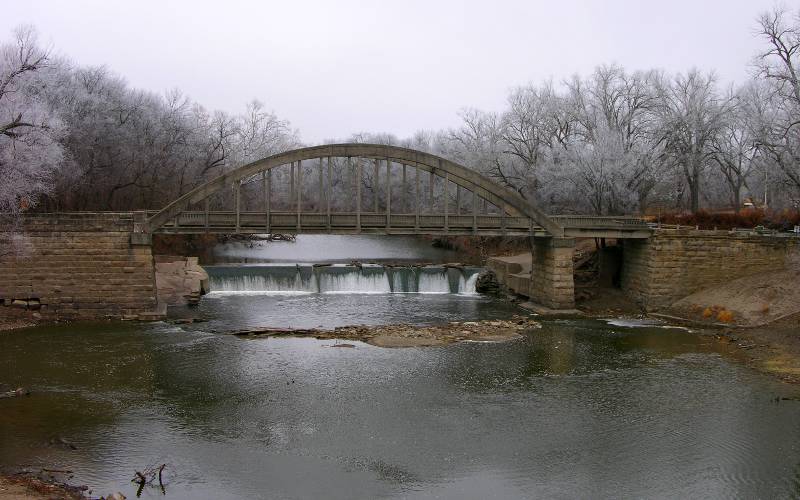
(620, 142)
(79, 138)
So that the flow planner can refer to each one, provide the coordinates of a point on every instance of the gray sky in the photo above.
(338, 67)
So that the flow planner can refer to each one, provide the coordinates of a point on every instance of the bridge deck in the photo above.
(381, 223)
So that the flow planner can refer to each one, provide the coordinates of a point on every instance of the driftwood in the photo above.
(19, 391)
(186, 321)
(60, 441)
(260, 237)
(148, 476)
(277, 332)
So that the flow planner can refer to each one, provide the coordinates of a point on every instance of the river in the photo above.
(579, 408)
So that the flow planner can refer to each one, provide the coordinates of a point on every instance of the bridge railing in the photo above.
(604, 221)
(292, 221)
(398, 223)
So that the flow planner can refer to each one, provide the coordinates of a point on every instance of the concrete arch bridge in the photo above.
(370, 188)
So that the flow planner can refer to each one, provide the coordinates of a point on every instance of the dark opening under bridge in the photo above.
(370, 188)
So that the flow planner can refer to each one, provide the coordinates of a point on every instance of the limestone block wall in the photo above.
(673, 264)
(77, 266)
(552, 284)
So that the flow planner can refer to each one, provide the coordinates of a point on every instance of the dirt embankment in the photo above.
(759, 313)
(405, 335)
(749, 301)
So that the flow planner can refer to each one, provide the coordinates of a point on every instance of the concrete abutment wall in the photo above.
(673, 264)
(545, 276)
(552, 284)
(78, 266)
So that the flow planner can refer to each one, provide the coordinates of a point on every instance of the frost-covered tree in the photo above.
(691, 113)
(611, 153)
(30, 151)
(735, 148)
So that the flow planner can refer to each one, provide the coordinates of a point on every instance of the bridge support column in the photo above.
(552, 284)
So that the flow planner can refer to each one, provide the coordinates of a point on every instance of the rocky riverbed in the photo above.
(406, 335)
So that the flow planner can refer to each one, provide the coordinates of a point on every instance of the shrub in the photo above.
(784, 220)
(725, 316)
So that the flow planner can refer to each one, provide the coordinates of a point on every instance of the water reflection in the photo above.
(575, 409)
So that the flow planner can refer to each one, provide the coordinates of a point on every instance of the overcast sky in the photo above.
(339, 67)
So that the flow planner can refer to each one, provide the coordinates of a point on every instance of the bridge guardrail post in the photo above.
(141, 233)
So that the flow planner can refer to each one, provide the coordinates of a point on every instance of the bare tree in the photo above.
(778, 65)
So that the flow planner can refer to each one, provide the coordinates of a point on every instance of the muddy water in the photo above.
(575, 409)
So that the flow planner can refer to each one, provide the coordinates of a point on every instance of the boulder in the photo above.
(487, 283)
(180, 280)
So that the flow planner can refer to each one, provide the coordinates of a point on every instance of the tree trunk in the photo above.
(694, 187)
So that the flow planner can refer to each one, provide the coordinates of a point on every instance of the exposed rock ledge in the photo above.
(180, 280)
(405, 335)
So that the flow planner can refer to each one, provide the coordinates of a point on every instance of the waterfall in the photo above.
(433, 283)
(339, 278)
(466, 286)
(279, 281)
(354, 280)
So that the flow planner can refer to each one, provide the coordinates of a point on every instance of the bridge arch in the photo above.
(508, 201)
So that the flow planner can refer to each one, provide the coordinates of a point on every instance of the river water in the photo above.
(578, 408)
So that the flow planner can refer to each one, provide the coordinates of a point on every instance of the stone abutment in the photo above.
(674, 264)
(655, 272)
(76, 267)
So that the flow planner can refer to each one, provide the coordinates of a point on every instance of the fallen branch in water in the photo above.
(751, 346)
(148, 476)
(19, 391)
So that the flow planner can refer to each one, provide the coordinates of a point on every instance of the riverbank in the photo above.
(772, 349)
(776, 348)
(8, 324)
(405, 335)
(26, 487)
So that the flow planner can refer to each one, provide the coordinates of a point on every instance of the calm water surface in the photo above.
(576, 409)
(335, 248)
